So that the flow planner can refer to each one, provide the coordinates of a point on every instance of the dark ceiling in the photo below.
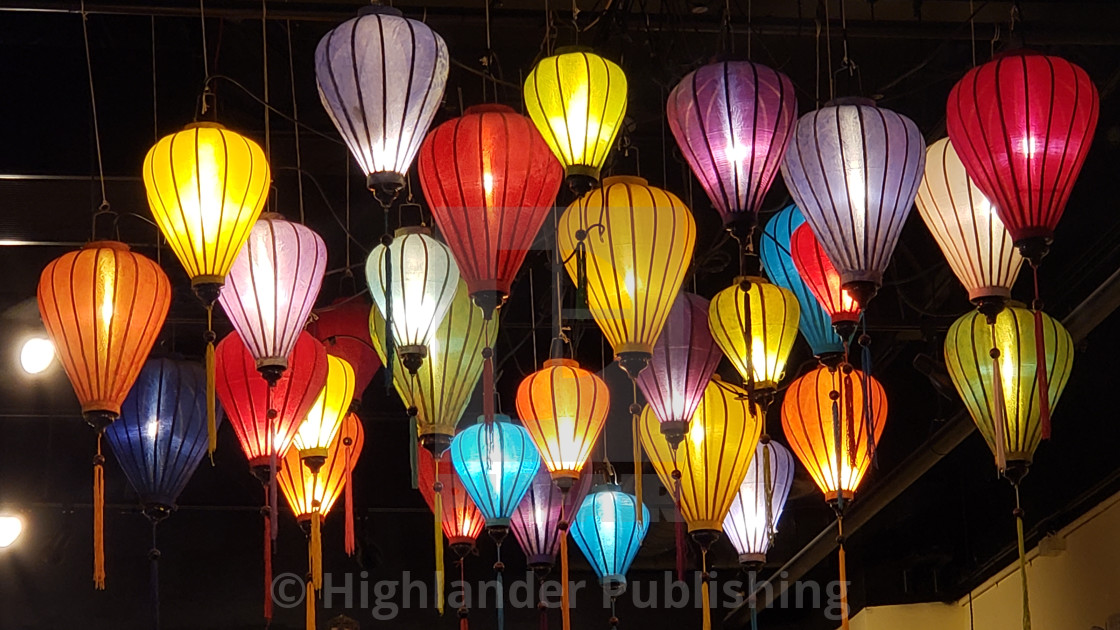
(929, 540)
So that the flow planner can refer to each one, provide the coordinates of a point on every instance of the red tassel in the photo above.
(850, 418)
(1043, 377)
(267, 567)
(348, 489)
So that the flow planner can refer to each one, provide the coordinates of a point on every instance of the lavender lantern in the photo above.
(754, 514)
(535, 522)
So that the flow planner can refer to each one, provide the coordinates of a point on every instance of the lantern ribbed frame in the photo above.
(343, 327)
(462, 522)
(774, 313)
(608, 531)
(496, 462)
(817, 271)
(323, 421)
(747, 524)
(309, 492)
(535, 522)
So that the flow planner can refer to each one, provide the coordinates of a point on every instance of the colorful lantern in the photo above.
(416, 298)
(461, 520)
(817, 271)
(321, 424)
(564, 407)
(577, 100)
(732, 121)
(535, 523)
(853, 169)
(272, 289)
(343, 327)
(609, 531)
(814, 322)
(359, 67)
(490, 180)
(753, 518)
(496, 462)
(1022, 125)
(772, 322)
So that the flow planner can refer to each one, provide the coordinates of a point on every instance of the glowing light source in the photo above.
(36, 355)
(11, 527)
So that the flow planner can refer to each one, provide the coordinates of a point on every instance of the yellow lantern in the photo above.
(577, 100)
(773, 313)
(323, 421)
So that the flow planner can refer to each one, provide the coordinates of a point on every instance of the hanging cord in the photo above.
(211, 380)
(635, 414)
(748, 341)
(837, 439)
(99, 515)
(679, 540)
(499, 568)
(273, 465)
(437, 513)
(414, 443)
(153, 574)
(463, 612)
(487, 58)
(104, 207)
(972, 30)
(264, 68)
(840, 542)
(1040, 353)
(828, 51)
(155, 93)
(817, 43)
(999, 404)
(768, 487)
(562, 527)
(846, 62)
(848, 397)
(752, 601)
(295, 126)
(349, 543)
(266, 518)
(390, 338)
(348, 274)
(1019, 514)
(868, 405)
(542, 605)
(533, 316)
(728, 34)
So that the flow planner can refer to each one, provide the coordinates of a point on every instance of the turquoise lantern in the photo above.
(815, 323)
(609, 534)
(496, 462)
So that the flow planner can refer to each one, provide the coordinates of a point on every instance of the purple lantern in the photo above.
(853, 169)
(270, 290)
(535, 521)
(684, 358)
(733, 121)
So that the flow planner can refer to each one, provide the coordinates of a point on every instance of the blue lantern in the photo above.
(609, 534)
(815, 322)
(496, 462)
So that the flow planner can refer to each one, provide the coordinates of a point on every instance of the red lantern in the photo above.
(1022, 124)
(817, 271)
(343, 327)
(491, 181)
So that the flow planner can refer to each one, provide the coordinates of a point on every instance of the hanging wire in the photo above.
(155, 100)
(205, 52)
(828, 51)
(104, 206)
(533, 316)
(972, 30)
(264, 64)
(295, 126)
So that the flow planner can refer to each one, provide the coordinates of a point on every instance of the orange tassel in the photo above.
(310, 605)
(844, 622)
(99, 517)
(316, 549)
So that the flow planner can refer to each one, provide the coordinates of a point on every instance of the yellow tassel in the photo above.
(1023, 562)
(565, 608)
(439, 545)
(211, 403)
(316, 549)
(310, 604)
(637, 469)
(843, 578)
(704, 596)
(99, 518)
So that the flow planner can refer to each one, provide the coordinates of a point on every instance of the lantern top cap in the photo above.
(271, 216)
(625, 179)
(498, 417)
(570, 363)
(851, 100)
(751, 279)
(413, 229)
(606, 487)
(379, 9)
(204, 124)
(489, 108)
(574, 49)
(1015, 52)
(113, 245)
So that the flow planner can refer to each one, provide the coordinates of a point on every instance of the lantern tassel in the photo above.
(637, 450)
(315, 547)
(499, 568)
(999, 407)
(273, 494)
(488, 380)
(844, 622)
(542, 607)
(868, 408)
(211, 402)
(438, 513)
(565, 607)
(153, 576)
(837, 440)
(310, 605)
(1022, 561)
(681, 543)
(99, 516)
(390, 341)
(1043, 377)
(267, 561)
(349, 542)
(464, 612)
(768, 489)
(413, 444)
(850, 415)
(704, 595)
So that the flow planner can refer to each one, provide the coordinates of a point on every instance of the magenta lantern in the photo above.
(535, 522)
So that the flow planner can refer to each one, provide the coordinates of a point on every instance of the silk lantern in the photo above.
(102, 307)
(381, 78)
(460, 519)
(753, 518)
(732, 121)
(496, 462)
(343, 327)
(577, 100)
(817, 271)
(536, 522)
(967, 228)
(766, 314)
(272, 288)
(853, 169)
(564, 407)
(490, 180)
(1022, 125)
(319, 427)
(609, 531)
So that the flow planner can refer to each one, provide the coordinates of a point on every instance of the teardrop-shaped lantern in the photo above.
(853, 169)
(161, 436)
(577, 100)
(343, 327)
(496, 462)
(714, 457)
(309, 492)
(814, 322)
(206, 187)
(490, 180)
(444, 383)
(967, 228)
(1022, 124)
(381, 78)
(684, 359)
(564, 407)
(462, 522)
(817, 271)
(536, 520)
(424, 282)
(774, 312)
(732, 121)
(272, 288)
(829, 436)
(1014, 396)
(637, 242)
(757, 508)
(321, 424)
(609, 531)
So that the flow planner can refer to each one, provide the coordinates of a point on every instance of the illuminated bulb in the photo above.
(153, 428)
(37, 355)
(10, 529)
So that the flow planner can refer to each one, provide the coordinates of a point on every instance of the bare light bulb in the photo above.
(36, 355)
(10, 529)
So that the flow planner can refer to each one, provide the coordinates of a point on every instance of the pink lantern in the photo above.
(536, 520)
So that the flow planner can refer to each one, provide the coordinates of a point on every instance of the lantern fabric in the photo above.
(206, 187)
(831, 440)
(774, 312)
(814, 322)
(319, 427)
(496, 462)
(732, 121)
(1022, 125)
(577, 100)
(343, 327)
(161, 436)
(817, 271)
(684, 358)
(381, 78)
(272, 288)
(103, 307)
(853, 169)
(564, 407)
(757, 508)
(490, 180)
(1013, 396)
(308, 492)
(536, 520)
(443, 385)
(638, 246)
(609, 531)
(966, 226)
(246, 397)
(717, 450)
(462, 522)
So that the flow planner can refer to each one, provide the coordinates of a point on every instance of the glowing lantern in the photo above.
(272, 289)
(772, 326)
(816, 270)
(343, 327)
(496, 462)
(577, 100)
(853, 169)
(415, 300)
(318, 429)
(536, 522)
(609, 531)
(732, 121)
(564, 407)
(103, 307)
(462, 522)
(490, 180)
(637, 242)
(774, 250)
(1022, 125)
(381, 79)
(757, 508)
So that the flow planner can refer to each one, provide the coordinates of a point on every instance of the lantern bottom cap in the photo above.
(674, 432)
(207, 288)
(862, 290)
(157, 510)
(833, 496)
(633, 361)
(565, 479)
(99, 418)
(497, 523)
(436, 443)
(461, 545)
(1034, 243)
(705, 532)
(613, 582)
(313, 458)
(752, 560)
